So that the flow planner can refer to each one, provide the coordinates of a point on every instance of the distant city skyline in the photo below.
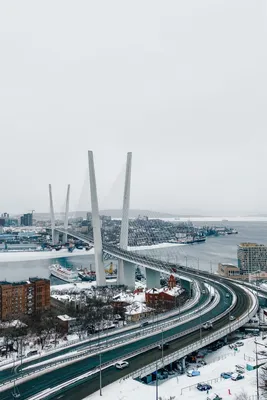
(182, 85)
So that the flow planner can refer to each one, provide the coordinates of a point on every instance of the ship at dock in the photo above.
(89, 275)
(65, 274)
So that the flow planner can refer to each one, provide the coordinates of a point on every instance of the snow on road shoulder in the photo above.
(222, 360)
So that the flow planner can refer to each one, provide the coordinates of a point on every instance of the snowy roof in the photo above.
(66, 318)
(129, 297)
(137, 308)
(153, 291)
(176, 291)
(16, 323)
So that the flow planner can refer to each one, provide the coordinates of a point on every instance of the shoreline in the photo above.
(16, 256)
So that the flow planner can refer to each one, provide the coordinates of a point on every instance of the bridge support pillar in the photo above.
(99, 265)
(129, 274)
(56, 237)
(183, 363)
(152, 278)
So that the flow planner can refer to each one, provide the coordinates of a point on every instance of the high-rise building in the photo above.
(26, 219)
(252, 257)
(26, 297)
(5, 215)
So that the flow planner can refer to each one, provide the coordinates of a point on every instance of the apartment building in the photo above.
(252, 257)
(25, 297)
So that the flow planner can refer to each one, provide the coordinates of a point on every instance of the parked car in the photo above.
(143, 324)
(203, 291)
(236, 377)
(239, 344)
(32, 353)
(164, 346)
(203, 387)
(193, 372)
(226, 375)
(227, 295)
(122, 364)
(232, 318)
(202, 362)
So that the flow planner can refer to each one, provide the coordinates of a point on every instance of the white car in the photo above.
(232, 318)
(122, 364)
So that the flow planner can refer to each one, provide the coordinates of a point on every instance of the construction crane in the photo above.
(110, 269)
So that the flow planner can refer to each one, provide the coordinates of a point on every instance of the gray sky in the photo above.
(181, 84)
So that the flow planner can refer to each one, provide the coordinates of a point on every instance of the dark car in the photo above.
(204, 387)
(164, 346)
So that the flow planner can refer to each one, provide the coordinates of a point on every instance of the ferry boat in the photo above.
(190, 240)
(65, 274)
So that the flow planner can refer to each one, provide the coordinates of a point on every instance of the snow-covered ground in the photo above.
(184, 388)
(79, 286)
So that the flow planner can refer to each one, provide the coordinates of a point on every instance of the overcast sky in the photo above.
(181, 84)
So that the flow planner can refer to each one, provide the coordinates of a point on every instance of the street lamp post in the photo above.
(100, 373)
(257, 372)
(157, 383)
(200, 331)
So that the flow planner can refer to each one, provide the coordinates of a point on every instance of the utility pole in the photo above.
(257, 367)
(162, 345)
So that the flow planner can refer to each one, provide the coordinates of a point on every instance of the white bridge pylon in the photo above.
(55, 235)
(122, 278)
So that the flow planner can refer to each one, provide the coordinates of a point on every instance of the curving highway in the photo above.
(60, 375)
(142, 351)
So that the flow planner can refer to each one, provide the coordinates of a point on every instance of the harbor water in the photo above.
(210, 253)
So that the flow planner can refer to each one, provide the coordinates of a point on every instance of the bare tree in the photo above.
(242, 396)
(43, 325)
